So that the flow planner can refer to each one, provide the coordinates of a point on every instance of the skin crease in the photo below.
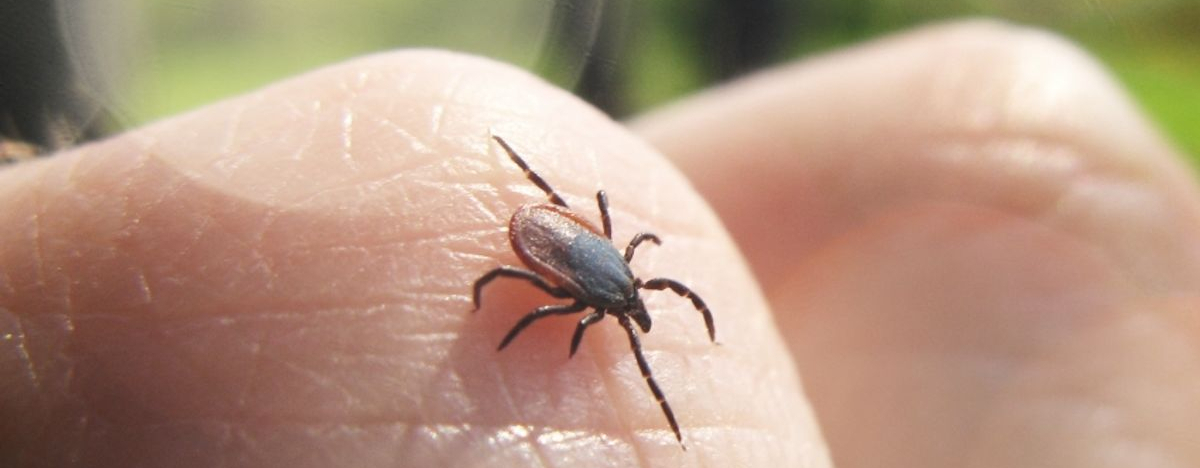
(977, 253)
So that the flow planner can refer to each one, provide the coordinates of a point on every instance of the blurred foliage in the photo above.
(1149, 45)
(190, 53)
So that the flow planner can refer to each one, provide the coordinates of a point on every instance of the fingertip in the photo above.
(303, 253)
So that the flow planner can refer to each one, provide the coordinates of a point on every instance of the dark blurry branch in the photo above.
(583, 51)
(740, 36)
(41, 104)
(590, 42)
(603, 81)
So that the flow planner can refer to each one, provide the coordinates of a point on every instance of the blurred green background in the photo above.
(180, 54)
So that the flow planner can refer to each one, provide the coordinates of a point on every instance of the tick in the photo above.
(569, 258)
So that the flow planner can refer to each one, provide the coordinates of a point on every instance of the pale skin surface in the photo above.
(976, 252)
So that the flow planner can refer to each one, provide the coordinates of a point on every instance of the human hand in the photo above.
(283, 279)
(977, 249)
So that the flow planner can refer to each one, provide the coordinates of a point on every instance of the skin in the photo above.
(968, 245)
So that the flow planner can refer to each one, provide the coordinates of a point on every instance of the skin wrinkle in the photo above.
(263, 263)
(1050, 207)
(601, 362)
(297, 109)
(36, 238)
(6, 282)
(451, 88)
(363, 310)
(23, 353)
(259, 236)
(307, 143)
(506, 395)
(415, 143)
(71, 172)
(543, 459)
(312, 199)
(322, 381)
(479, 205)
(232, 128)
(255, 358)
(193, 240)
(639, 432)
(418, 415)
(144, 285)
(347, 151)
(204, 228)
(171, 191)
(598, 365)
(1135, 262)
(352, 84)
(437, 114)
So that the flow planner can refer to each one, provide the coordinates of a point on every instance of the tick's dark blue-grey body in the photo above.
(569, 258)
(604, 277)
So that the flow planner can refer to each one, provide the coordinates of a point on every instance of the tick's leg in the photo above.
(540, 312)
(585, 322)
(680, 289)
(510, 272)
(602, 200)
(533, 177)
(637, 240)
(636, 344)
